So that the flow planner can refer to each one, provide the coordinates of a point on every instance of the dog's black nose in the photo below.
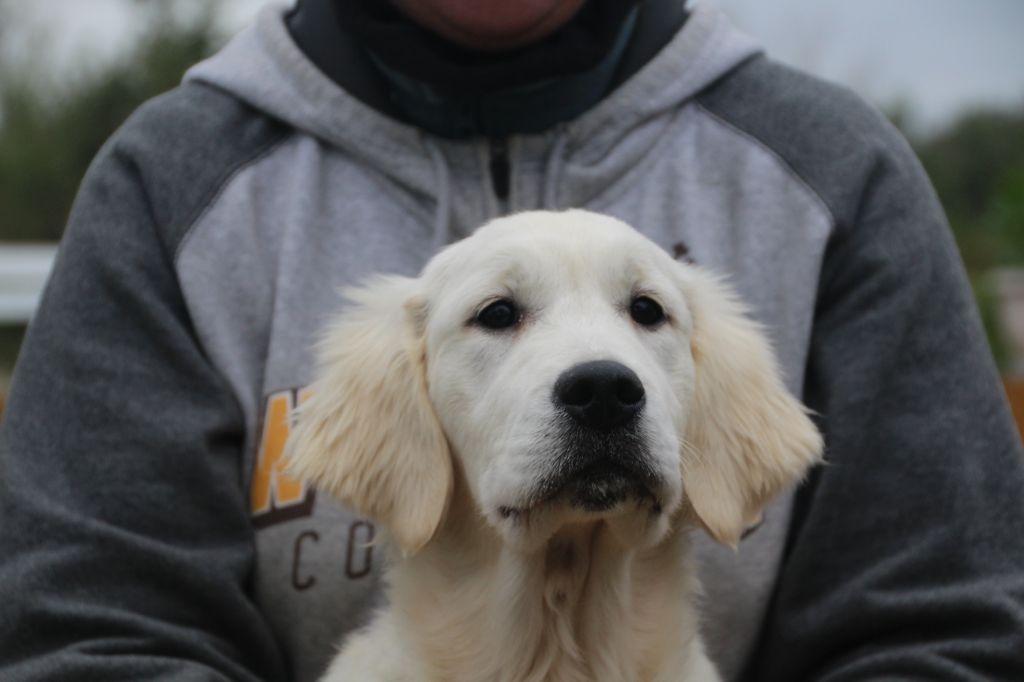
(601, 394)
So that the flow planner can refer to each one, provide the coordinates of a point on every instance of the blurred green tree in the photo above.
(49, 132)
(977, 166)
(1005, 215)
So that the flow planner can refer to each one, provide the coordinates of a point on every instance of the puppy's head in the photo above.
(571, 371)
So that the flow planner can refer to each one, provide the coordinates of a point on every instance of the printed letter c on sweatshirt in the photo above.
(276, 496)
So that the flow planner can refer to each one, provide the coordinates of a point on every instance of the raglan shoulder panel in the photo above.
(186, 145)
(826, 134)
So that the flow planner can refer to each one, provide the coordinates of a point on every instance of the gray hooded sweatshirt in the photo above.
(148, 530)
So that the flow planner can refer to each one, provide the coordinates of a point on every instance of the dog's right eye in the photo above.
(498, 315)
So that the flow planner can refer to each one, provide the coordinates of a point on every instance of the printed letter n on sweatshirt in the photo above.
(276, 496)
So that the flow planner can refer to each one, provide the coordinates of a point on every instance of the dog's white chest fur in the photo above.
(582, 609)
(539, 421)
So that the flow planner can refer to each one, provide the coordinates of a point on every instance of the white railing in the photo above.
(24, 269)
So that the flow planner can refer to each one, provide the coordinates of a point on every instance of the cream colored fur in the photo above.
(436, 428)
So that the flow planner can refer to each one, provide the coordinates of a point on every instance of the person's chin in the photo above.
(492, 25)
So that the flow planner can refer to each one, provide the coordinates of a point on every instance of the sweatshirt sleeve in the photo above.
(906, 554)
(126, 546)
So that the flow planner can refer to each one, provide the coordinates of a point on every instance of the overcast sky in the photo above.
(938, 56)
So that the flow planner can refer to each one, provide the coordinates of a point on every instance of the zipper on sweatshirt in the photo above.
(500, 168)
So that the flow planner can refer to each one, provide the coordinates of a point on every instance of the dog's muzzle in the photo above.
(604, 458)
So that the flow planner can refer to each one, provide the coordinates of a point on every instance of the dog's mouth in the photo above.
(596, 477)
(604, 484)
(598, 487)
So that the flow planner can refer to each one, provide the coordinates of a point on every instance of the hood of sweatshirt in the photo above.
(567, 166)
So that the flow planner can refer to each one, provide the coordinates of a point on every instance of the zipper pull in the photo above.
(501, 170)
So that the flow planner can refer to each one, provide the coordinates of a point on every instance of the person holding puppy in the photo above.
(150, 529)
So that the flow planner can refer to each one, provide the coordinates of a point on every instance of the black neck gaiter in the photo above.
(407, 72)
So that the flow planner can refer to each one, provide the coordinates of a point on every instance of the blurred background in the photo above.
(949, 73)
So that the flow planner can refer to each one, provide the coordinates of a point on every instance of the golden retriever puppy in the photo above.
(539, 421)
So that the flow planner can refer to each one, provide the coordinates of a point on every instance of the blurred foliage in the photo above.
(11, 336)
(977, 166)
(1006, 216)
(49, 133)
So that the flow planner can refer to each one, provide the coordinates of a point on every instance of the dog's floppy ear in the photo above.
(368, 433)
(746, 436)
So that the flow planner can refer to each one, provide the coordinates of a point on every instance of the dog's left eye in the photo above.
(498, 315)
(646, 311)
